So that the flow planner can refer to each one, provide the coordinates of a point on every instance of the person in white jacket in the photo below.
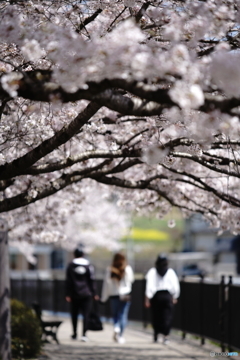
(162, 292)
(117, 286)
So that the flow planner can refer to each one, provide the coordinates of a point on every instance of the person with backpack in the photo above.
(80, 290)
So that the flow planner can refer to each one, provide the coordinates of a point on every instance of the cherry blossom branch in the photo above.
(32, 195)
(134, 137)
(126, 105)
(142, 11)
(226, 143)
(114, 20)
(225, 197)
(200, 208)
(88, 170)
(3, 106)
(5, 184)
(221, 160)
(98, 174)
(219, 102)
(88, 20)
(183, 141)
(32, 88)
(68, 162)
(114, 181)
(38, 85)
(207, 163)
(61, 137)
(125, 165)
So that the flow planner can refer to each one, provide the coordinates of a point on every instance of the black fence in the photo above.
(207, 310)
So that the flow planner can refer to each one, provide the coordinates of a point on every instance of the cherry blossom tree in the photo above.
(138, 100)
(67, 221)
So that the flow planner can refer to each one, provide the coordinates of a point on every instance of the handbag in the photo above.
(94, 321)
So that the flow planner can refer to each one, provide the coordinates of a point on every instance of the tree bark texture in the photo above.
(5, 330)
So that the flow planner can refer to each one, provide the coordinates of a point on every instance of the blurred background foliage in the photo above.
(147, 237)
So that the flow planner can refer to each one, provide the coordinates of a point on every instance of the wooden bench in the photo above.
(49, 328)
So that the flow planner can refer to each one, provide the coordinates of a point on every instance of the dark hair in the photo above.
(161, 264)
(78, 252)
(118, 266)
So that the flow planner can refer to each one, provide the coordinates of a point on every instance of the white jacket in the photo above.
(113, 287)
(156, 282)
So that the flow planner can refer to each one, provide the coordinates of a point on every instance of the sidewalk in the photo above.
(138, 346)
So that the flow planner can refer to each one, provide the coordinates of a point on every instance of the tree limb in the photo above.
(88, 20)
(206, 163)
(96, 154)
(18, 166)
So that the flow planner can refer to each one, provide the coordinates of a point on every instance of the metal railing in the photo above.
(204, 309)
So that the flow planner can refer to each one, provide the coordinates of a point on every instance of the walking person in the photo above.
(117, 286)
(80, 290)
(162, 292)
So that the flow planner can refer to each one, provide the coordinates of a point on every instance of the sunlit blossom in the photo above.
(117, 103)
(10, 83)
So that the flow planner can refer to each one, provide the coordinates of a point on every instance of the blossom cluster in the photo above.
(135, 100)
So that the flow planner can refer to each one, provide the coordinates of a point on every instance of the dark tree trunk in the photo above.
(5, 330)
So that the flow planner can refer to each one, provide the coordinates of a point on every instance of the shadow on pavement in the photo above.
(105, 353)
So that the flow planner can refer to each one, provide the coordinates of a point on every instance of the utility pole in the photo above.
(5, 329)
(130, 248)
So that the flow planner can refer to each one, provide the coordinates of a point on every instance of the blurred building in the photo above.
(50, 261)
(199, 237)
(204, 252)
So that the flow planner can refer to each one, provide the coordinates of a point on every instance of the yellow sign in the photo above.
(149, 235)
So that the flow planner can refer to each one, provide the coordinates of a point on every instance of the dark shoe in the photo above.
(74, 336)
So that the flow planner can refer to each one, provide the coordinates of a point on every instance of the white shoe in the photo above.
(117, 329)
(121, 340)
(84, 339)
(166, 341)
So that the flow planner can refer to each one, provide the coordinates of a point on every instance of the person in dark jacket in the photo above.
(80, 290)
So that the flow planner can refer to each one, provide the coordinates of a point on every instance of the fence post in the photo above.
(183, 308)
(202, 310)
(222, 312)
(145, 310)
(55, 295)
(39, 290)
(23, 288)
(229, 313)
(5, 328)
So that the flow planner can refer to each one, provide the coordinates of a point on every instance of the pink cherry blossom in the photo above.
(112, 107)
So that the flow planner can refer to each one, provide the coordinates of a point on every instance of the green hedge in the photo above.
(26, 331)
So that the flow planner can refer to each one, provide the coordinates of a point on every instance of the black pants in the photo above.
(84, 306)
(162, 313)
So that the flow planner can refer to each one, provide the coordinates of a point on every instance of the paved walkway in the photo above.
(138, 346)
